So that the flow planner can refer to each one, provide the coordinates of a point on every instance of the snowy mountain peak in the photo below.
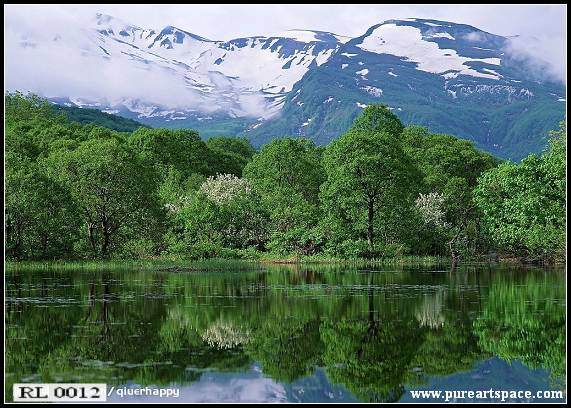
(241, 77)
(437, 47)
(180, 34)
(101, 18)
(109, 23)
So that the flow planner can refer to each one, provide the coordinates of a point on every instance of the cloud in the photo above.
(227, 21)
(43, 58)
(474, 36)
(539, 56)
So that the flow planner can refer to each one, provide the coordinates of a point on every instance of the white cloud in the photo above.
(538, 57)
(51, 62)
(224, 22)
(475, 36)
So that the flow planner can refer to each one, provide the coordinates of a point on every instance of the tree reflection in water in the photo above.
(375, 332)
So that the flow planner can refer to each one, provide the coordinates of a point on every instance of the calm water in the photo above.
(290, 333)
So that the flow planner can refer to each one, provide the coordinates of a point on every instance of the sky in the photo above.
(224, 22)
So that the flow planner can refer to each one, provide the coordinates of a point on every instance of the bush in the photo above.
(138, 249)
(354, 249)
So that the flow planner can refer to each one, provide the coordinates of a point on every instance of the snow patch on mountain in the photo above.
(440, 35)
(408, 42)
(373, 90)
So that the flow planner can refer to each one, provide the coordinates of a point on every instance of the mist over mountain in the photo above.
(452, 78)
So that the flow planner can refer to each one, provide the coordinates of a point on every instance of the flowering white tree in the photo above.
(431, 208)
(232, 211)
(224, 188)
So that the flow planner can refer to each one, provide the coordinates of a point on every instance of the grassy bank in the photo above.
(401, 260)
(146, 264)
(216, 264)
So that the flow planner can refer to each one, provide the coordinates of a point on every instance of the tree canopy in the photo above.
(382, 189)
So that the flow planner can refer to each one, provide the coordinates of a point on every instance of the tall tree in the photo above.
(288, 174)
(450, 168)
(224, 214)
(378, 118)
(368, 173)
(181, 148)
(114, 191)
(41, 219)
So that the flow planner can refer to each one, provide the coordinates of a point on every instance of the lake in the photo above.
(290, 333)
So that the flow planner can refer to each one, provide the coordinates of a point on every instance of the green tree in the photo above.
(289, 164)
(238, 145)
(378, 118)
(524, 204)
(369, 176)
(41, 219)
(450, 168)
(114, 191)
(288, 173)
(223, 213)
(32, 126)
(180, 148)
(230, 154)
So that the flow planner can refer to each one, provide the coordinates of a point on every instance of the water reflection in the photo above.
(285, 333)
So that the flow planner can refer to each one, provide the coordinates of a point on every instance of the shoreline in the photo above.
(213, 264)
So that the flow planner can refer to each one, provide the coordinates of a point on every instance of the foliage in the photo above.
(163, 148)
(288, 173)
(87, 116)
(377, 118)
(449, 168)
(225, 188)
(430, 207)
(524, 204)
(370, 184)
(41, 218)
(113, 190)
(381, 190)
(223, 214)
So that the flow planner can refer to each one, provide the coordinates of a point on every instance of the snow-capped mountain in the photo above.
(241, 77)
(451, 77)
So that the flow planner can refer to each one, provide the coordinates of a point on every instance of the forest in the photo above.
(77, 191)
